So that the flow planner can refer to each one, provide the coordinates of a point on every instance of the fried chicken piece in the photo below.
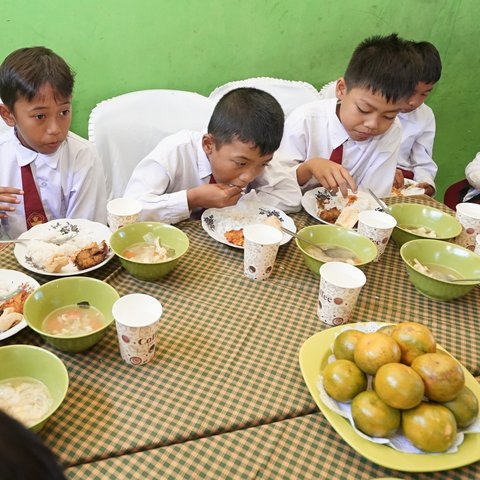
(235, 237)
(91, 255)
(17, 301)
(330, 215)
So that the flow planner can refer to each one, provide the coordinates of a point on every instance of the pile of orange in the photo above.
(415, 387)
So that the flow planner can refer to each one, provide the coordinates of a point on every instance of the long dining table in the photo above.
(224, 396)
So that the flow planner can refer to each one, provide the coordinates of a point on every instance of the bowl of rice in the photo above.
(33, 384)
(149, 250)
(73, 313)
(415, 221)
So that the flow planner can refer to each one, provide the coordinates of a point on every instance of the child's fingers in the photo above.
(11, 190)
(9, 199)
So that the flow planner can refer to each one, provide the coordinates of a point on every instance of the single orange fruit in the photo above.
(374, 350)
(344, 344)
(343, 380)
(442, 375)
(399, 386)
(414, 340)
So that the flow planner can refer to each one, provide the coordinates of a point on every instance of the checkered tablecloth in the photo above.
(227, 359)
(300, 448)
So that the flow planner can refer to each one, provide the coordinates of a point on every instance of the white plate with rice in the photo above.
(35, 255)
(11, 280)
(363, 201)
(217, 221)
(410, 188)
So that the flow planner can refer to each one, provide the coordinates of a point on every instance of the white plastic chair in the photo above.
(290, 94)
(126, 128)
(328, 90)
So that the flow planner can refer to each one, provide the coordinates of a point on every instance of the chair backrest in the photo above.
(289, 93)
(126, 128)
(328, 90)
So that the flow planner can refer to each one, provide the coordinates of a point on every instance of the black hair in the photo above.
(24, 72)
(249, 115)
(432, 65)
(387, 65)
(23, 455)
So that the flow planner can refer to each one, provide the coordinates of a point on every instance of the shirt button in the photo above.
(43, 184)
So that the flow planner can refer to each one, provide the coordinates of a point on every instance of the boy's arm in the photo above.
(423, 166)
(472, 172)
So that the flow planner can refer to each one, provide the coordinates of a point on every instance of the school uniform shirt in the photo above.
(178, 163)
(314, 130)
(70, 182)
(472, 173)
(417, 144)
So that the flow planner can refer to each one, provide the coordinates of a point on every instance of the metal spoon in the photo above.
(55, 241)
(465, 280)
(332, 252)
(382, 206)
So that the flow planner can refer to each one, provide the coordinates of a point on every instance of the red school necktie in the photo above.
(34, 212)
(212, 179)
(337, 154)
(407, 174)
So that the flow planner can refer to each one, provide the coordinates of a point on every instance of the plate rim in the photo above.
(23, 323)
(320, 344)
(18, 247)
(286, 238)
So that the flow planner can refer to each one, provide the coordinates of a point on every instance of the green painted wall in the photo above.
(117, 46)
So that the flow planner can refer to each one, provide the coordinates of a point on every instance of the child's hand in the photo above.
(429, 190)
(214, 195)
(329, 174)
(399, 180)
(8, 197)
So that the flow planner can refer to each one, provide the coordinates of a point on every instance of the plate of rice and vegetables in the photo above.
(15, 287)
(334, 209)
(226, 224)
(64, 247)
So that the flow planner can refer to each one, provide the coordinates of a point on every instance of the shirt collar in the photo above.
(337, 131)
(204, 167)
(26, 156)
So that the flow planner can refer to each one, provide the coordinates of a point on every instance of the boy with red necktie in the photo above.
(47, 172)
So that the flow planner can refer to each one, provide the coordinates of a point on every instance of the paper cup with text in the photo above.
(122, 211)
(137, 317)
(260, 250)
(340, 285)
(378, 227)
(468, 214)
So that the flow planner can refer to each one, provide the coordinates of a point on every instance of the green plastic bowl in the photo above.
(412, 214)
(38, 363)
(436, 252)
(169, 236)
(364, 248)
(70, 291)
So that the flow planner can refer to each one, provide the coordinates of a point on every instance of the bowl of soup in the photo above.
(33, 384)
(72, 313)
(149, 250)
(415, 221)
(433, 266)
(339, 243)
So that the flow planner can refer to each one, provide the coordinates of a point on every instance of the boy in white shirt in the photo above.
(361, 121)
(418, 124)
(46, 172)
(472, 173)
(190, 171)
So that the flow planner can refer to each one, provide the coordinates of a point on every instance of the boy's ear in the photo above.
(341, 88)
(208, 143)
(7, 116)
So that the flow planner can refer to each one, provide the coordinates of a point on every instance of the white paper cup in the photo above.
(468, 214)
(260, 250)
(122, 211)
(378, 227)
(340, 285)
(137, 317)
